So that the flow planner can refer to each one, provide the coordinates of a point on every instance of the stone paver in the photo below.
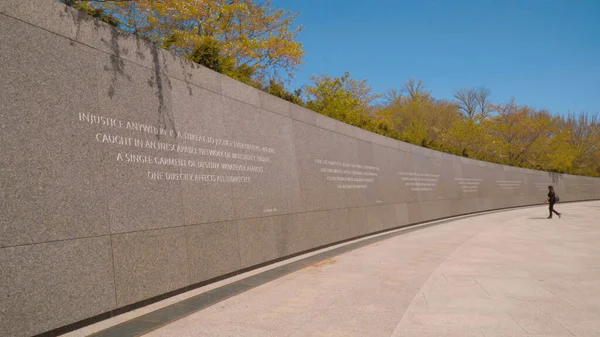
(512, 273)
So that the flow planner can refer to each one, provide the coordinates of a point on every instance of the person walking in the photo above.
(552, 200)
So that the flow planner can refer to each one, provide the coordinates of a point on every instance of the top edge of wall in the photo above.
(63, 20)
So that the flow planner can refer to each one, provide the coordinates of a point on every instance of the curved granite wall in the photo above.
(128, 173)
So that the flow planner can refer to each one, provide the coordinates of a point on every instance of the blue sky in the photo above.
(545, 53)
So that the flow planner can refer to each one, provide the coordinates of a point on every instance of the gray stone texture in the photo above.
(261, 240)
(149, 263)
(47, 285)
(134, 94)
(312, 143)
(201, 112)
(276, 189)
(274, 104)
(110, 147)
(240, 91)
(192, 74)
(53, 175)
(213, 250)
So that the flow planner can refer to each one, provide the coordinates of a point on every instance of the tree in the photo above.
(517, 130)
(415, 90)
(209, 54)
(484, 104)
(277, 88)
(474, 102)
(89, 9)
(468, 138)
(557, 154)
(467, 101)
(417, 117)
(582, 134)
(258, 39)
(343, 98)
(347, 100)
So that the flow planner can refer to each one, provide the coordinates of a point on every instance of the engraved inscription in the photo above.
(468, 185)
(509, 184)
(419, 182)
(347, 175)
(201, 158)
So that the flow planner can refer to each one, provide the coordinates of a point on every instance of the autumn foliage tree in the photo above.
(518, 131)
(416, 116)
(346, 99)
(247, 38)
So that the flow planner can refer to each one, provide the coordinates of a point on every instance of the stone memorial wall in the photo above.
(128, 173)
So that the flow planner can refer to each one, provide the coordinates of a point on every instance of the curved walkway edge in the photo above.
(501, 273)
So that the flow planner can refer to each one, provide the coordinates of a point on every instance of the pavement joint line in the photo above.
(211, 297)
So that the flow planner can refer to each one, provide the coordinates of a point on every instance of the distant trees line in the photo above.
(254, 43)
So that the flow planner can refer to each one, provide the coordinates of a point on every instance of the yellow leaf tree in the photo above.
(250, 37)
(581, 135)
(348, 100)
(343, 98)
(518, 132)
(419, 118)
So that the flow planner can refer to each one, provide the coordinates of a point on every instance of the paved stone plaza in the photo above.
(509, 273)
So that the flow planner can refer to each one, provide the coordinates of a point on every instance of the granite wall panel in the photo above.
(261, 240)
(320, 154)
(294, 234)
(457, 184)
(272, 186)
(323, 227)
(43, 14)
(128, 172)
(402, 177)
(47, 285)
(402, 215)
(192, 74)
(149, 263)
(357, 221)
(436, 209)
(213, 250)
(240, 91)
(302, 114)
(357, 178)
(194, 109)
(136, 126)
(385, 188)
(274, 104)
(52, 175)
(463, 205)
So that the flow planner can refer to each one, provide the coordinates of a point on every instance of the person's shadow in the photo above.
(538, 218)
